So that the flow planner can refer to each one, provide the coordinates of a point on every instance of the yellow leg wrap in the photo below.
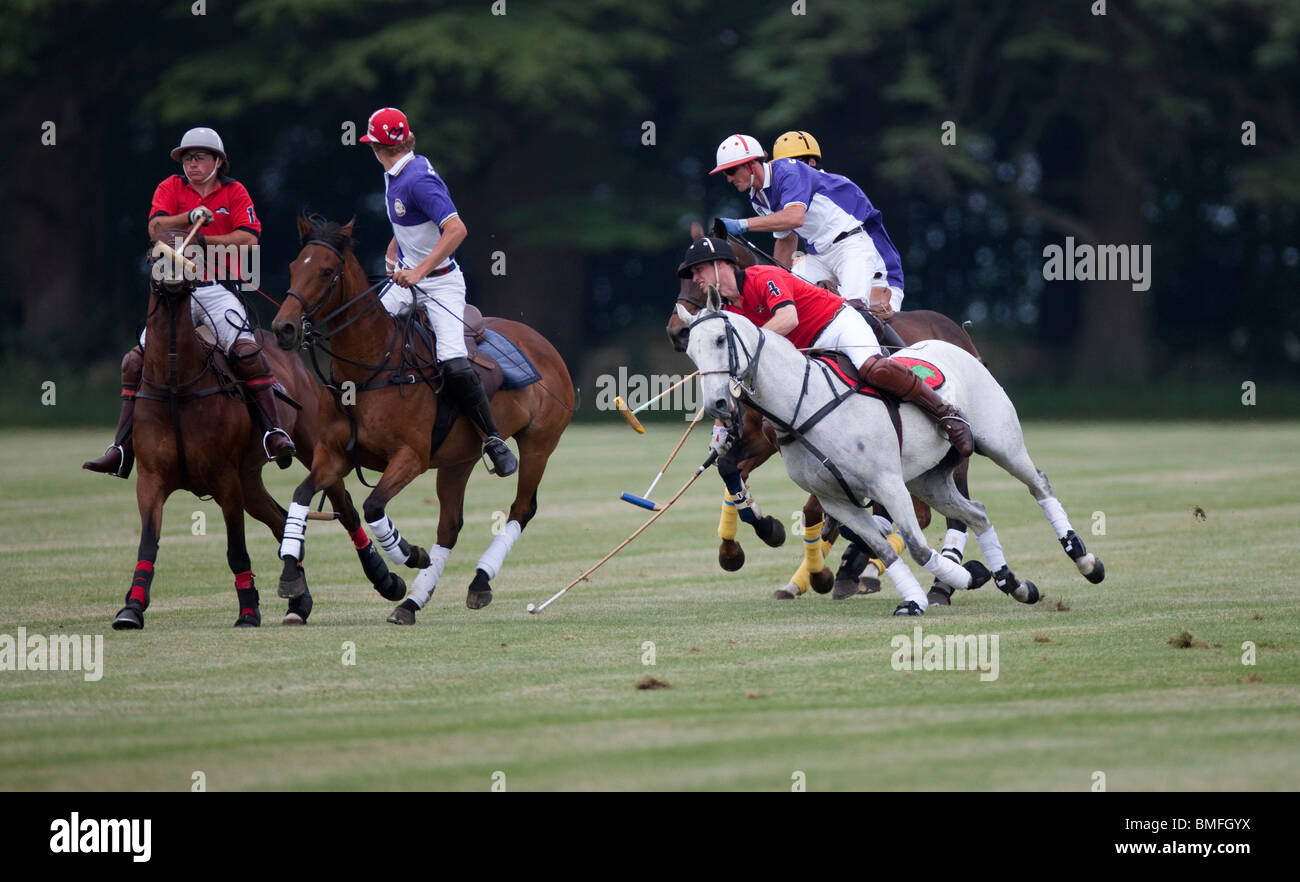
(814, 555)
(800, 578)
(730, 519)
(896, 541)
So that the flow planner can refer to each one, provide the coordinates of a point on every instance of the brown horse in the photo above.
(193, 431)
(391, 425)
(756, 446)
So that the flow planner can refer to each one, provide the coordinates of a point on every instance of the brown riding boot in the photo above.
(120, 456)
(250, 364)
(895, 378)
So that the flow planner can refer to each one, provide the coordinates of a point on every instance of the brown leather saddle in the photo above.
(420, 346)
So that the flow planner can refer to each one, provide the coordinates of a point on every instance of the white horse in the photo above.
(843, 447)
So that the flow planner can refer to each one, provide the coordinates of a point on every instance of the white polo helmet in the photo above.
(201, 138)
(737, 150)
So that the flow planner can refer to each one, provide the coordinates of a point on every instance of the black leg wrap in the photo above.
(373, 565)
(979, 574)
(771, 531)
(1073, 545)
(391, 588)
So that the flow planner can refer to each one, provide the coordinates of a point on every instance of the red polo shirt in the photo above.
(230, 204)
(768, 288)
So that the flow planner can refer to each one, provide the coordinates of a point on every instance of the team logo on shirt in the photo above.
(398, 208)
(223, 210)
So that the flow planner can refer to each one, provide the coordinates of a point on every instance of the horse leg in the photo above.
(451, 517)
(863, 526)
(748, 453)
(150, 494)
(532, 465)
(1014, 457)
(403, 468)
(259, 503)
(818, 537)
(232, 510)
(859, 572)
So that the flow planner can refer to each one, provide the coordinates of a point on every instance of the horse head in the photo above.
(315, 276)
(725, 348)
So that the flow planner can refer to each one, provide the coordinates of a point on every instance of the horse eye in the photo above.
(718, 342)
(326, 273)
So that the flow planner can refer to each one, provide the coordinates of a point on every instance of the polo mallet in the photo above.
(630, 415)
(708, 462)
(644, 501)
(720, 232)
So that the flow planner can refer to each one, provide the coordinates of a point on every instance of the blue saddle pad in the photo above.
(518, 370)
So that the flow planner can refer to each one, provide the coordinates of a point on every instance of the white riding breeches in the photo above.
(222, 312)
(855, 266)
(849, 333)
(443, 299)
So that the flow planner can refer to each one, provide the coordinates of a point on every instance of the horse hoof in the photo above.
(789, 592)
(1097, 574)
(418, 559)
(291, 588)
(775, 534)
(868, 585)
(1027, 593)
(844, 588)
(940, 594)
(822, 581)
(129, 618)
(299, 610)
(392, 588)
(979, 574)
(480, 592)
(911, 608)
(249, 618)
(402, 615)
(730, 561)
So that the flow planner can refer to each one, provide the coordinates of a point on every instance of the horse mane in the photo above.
(327, 231)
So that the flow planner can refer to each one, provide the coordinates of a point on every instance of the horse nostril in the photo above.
(720, 404)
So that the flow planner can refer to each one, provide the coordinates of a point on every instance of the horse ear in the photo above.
(714, 299)
(684, 315)
(697, 231)
(346, 229)
(304, 228)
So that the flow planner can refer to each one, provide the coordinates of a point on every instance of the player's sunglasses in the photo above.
(196, 156)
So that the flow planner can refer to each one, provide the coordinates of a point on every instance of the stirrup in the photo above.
(285, 458)
(500, 461)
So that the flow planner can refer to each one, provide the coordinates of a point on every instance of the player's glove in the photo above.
(735, 226)
(721, 441)
(202, 213)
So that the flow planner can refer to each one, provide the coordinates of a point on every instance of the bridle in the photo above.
(741, 382)
(314, 328)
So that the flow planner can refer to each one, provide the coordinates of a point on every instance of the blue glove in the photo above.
(735, 226)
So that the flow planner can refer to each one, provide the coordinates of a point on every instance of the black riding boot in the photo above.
(250, 364)
(120, 456)
(884, 332)
(462, 384)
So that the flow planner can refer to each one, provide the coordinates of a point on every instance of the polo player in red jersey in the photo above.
(205, 191)
(812, 317)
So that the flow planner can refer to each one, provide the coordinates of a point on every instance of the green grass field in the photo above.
(760, 690)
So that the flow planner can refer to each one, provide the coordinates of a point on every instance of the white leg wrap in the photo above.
(1055, 515)
(951, 574)
(295, 531)
(992, 549)
(387, 537)
(955, 539)
(427, 579)
(883, 523)
(905, 582)
(495, 556)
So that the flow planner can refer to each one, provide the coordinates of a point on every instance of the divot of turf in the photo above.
(648, 682)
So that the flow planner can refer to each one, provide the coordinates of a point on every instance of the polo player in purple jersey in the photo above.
(846, 237)
(427, 229)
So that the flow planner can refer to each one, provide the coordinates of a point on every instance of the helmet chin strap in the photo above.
(216, 166)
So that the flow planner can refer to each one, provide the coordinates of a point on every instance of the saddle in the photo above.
(228, 379)
(420, 344)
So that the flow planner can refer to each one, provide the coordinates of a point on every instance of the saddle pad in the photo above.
(518, 370)
(929, 374)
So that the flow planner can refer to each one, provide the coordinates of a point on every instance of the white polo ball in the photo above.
(530, 608)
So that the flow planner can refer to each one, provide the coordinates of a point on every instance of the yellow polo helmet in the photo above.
(796, 144)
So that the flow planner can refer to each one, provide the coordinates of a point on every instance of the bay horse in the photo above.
(390, 427)
(193, 431)
(756, 446)
(846, 447)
